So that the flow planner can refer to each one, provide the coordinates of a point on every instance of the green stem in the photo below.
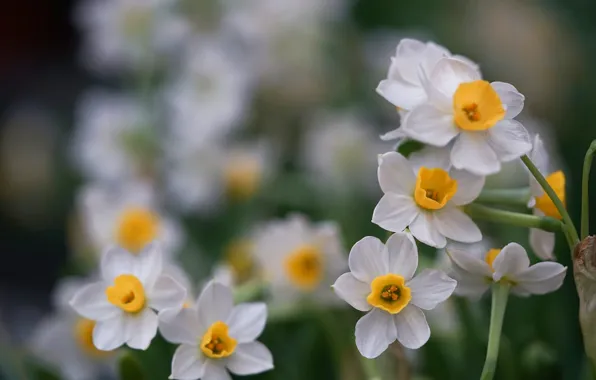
(512, 197)
(568, 223)
(585, 227)
(499, 305)
(513, 218)
(370, 369)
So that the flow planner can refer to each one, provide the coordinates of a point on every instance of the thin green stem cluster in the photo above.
(497, 314)
(585, 227)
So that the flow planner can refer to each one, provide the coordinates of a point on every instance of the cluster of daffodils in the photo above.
(467, 130)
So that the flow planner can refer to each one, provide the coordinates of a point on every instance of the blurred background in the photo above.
(235, 113)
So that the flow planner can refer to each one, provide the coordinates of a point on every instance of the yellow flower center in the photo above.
(216, 343)
(389, 293)
(544, 203)
(127, 293)
(490, 257)
(242, 178)
(477, 106)
(304, 267)
(136, 228)
(83, 332)
(434, 188)
(238, 256)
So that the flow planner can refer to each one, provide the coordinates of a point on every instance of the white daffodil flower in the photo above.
(217, 337)
(299, 259)
(124, 303)
(381, 281)
(424, 195)
(474, 115)
(127, 215)
(64, 339)
(543, 242)
(475, 274)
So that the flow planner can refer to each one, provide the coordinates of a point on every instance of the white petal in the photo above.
(368, 259)
(114, 262)
(395, 174)
(401, 93)
(92, 303)
(214, 304)
(470, 285)
(456, 225)
(402, 254)
(509, 139)
(472, 152)
(109, 334)
(423, 229)
(467, 263)
(247, 321)
(393, 135)
(180, 326)
(408, 56)
(431, 157)
(430, 288)
(148, 264)
(446, 77)
(374, 333)
(539, 157)
(394, 212)
(215, 370)
(430, 125)
(166, 294)
(543, 243)
(510, 97)
(541, 278)
(411, 326)
(353, 291)
(142, 328)
(512, 260)
(187, 363)
(250, 358)
(469, 186)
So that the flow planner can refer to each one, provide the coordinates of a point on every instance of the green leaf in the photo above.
(129, 368)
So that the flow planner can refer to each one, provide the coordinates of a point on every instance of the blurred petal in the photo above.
(394, 212)
(92, 303)
(215, 304)
(374, 333)
(402, 254)
(141, 329)
(116, 261)
(148, 264)
(368, 259)
(395, 174)
(215, 370)
(250, 358)
(543, 243)
(247, 321)
(166, 294)
(353, 291)
(430, 288)
(109, 334)
(180, 326)
(411, 326)
(467, 263)
(187, 364)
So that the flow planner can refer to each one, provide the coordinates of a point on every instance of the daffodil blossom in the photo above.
(124, 302)
(543, 242)
(424, 195)
(471, 115)
(217, 337)
(511, 265)
(381, 281)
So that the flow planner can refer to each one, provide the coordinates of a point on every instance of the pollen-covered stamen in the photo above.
(472, 112)
(216, 343)
(390, 293)
(127, 293)
(434, 188)
(477, 106)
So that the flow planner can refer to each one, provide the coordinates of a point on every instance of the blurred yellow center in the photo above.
(389, 293)
(477, 106)
(544, 203)
(238, 255)
(216, 343)
(304, 267)
(434, 188)
(136, 228)
(127, 293)
(490, 257)
(83, 332)
(242, 178)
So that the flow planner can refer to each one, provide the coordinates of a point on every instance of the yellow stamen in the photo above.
(490, 257)
(242, 178)
(434, 188)
(477, 106)
(83, 332)
(136, 228)
(127, 293)
(544, 203)
(216, 343)
(304, 267)
(389, 293)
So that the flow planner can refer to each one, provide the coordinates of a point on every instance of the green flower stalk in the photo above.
(499, 305)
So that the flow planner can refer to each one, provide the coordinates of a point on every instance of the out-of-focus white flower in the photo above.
(128, 34)
(340, 150)
(299, 259)
(198, 179)
(124, 303)
(127, 215)
(114, 138)
(239, 263)
(424, 196)
(217, 337)
(381, 280)
(64, 339)
(511, 265)
(543, 242)
(208, 98)
(472, 116)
